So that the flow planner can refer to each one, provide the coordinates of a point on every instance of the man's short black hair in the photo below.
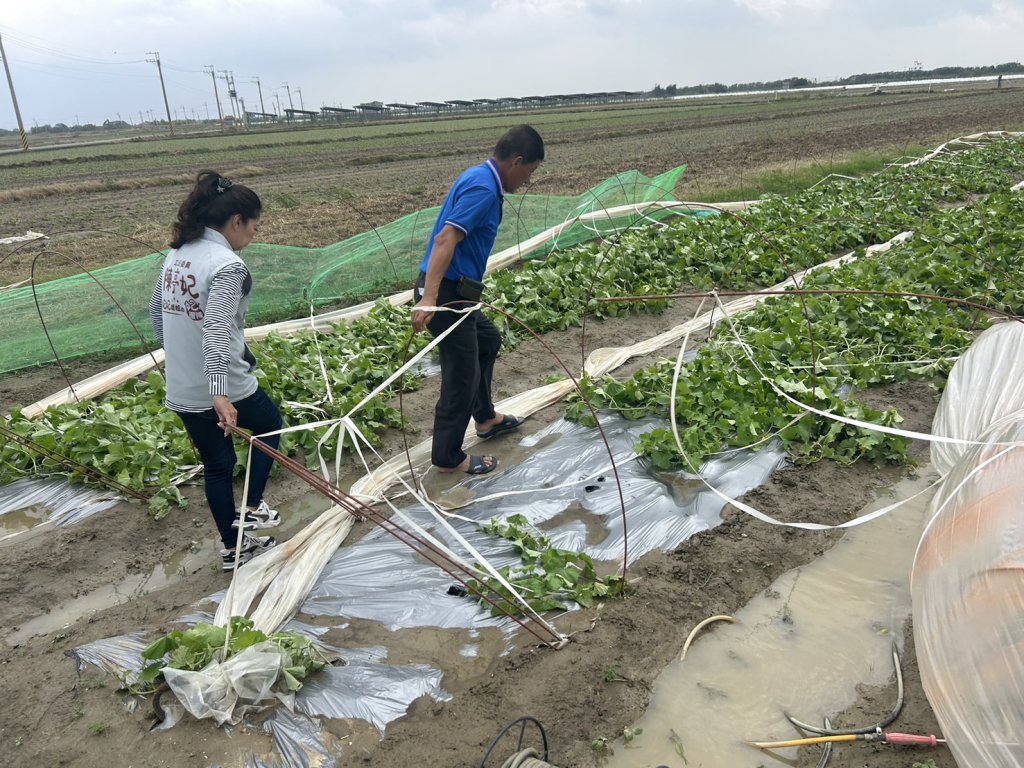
(522, 141)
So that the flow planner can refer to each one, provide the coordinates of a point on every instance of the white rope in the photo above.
(869, 425)
(236, 602)
(742, 506)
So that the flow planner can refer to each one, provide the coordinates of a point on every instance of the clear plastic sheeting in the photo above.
(986, 384)
(119, 656)
(227, 691)
(62, 502)
(376, 693)
(564, 486)
(300, 742)
(567, 489)
(663, 509)
(967, 582)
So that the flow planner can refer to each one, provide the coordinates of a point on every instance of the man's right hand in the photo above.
(422, 317)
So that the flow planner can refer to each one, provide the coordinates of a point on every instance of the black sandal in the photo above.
(478, 465)
(507, 424)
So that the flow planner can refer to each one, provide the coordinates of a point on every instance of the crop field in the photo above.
(324, 185)
(879, 360)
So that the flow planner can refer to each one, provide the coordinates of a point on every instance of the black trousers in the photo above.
(258, 413)
(467, 369)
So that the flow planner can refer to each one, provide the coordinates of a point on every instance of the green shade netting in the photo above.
(82, 316)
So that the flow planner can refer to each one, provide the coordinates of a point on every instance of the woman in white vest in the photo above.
(198, 311)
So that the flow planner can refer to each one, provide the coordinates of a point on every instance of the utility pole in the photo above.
(258, 88)
(245, 116)
(160, 71)
(231, 92)
(289, 90)
(220, 113)
(14, 99)
(301, 105)
(277, 104)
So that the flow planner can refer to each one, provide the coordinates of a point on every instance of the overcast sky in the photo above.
(86, 61)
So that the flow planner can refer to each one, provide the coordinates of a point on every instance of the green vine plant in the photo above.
(195, 648)
(547, 577)
(128, 435)
(727, 394)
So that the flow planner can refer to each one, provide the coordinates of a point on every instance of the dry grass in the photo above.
(108, 184)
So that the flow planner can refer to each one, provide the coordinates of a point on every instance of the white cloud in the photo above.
(779, 8)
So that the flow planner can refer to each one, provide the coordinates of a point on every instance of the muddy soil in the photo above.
(55, 715)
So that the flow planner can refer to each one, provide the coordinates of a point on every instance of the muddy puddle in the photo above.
(801, 647)
(133, 587)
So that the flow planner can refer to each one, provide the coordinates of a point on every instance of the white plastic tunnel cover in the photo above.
(967, 583)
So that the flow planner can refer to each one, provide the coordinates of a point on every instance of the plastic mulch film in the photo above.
(118, 656)
(967, 582)
(300, 743)
(570, 493)
(56, 502)
(377, 693)
(566, 488)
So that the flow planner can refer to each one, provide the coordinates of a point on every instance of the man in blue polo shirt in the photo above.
(452, 275)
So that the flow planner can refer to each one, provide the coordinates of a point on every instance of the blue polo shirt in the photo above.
(473, 206)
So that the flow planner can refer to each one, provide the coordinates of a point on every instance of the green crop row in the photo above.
(757, 248)
(823, 349)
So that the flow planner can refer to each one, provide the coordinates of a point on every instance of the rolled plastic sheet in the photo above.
(967, 582)
(62, 502)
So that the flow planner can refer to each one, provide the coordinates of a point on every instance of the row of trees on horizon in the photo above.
(914, 73)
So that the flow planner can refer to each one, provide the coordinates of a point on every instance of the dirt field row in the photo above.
(54, 715)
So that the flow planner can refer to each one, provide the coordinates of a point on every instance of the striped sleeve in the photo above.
(226, 290)
(156, 311)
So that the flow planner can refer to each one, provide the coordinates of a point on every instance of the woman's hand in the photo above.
(226, 411)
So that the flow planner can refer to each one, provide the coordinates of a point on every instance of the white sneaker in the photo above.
(251, 546)
(261, 517)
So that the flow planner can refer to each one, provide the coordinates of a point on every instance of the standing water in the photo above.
(801, 647)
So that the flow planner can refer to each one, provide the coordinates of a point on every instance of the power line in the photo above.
(183, 69)
(186, 87)
(62, 52)
(77, 73)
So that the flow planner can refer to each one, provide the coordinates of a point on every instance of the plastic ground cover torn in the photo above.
(565, 487)
(29, 503)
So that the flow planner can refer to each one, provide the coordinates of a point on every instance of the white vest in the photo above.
(185, 287)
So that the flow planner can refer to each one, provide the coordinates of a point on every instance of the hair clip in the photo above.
(224, 184)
